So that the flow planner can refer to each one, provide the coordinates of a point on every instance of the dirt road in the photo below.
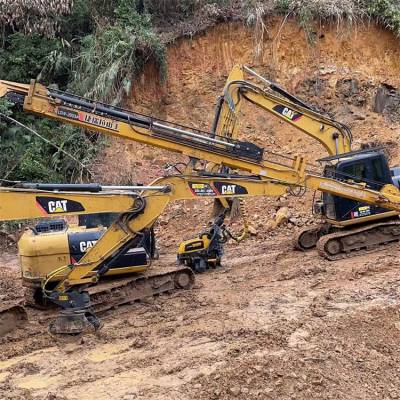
(273, 323)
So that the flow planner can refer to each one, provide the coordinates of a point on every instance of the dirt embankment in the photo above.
(274, 323)
(341, 73)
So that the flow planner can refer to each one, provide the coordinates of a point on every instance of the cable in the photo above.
(46, 141)
(51, 275)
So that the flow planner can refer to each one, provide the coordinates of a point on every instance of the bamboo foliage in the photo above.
(33, 15)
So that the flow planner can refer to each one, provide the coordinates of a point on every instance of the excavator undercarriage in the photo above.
(358, 241)
(335, 243)
(111, 293)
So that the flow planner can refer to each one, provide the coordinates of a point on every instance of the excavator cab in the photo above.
(369, 167)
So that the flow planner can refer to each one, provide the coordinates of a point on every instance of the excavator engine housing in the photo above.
(52, 244)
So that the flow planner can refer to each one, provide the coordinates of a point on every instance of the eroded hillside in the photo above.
(340, 72)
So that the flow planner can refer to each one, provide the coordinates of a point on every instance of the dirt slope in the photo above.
(273, 323)
(340, 73)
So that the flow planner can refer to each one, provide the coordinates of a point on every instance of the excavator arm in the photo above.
(49, 200)
(150, 204)
(113, 121)
(333, 135)
(109, 120)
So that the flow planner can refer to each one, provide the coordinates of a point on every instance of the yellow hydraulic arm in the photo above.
(220, 150)
(333, 135)
(48, 200)
(152, 204)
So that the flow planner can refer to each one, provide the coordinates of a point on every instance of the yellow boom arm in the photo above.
(334, 136)
(142, 210)
(152, 205)
(117, 122)
(17, 204)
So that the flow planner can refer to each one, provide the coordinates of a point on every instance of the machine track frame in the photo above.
(109, 295)
(334, 246)
(307, 237)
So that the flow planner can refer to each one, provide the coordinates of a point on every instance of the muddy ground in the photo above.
(273, 323)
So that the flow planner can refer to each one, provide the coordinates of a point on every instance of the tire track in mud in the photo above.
(252, 309)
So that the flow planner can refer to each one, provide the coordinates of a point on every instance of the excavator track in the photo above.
(350, 243)
(307, 238)
(110, 295)
(12, 316)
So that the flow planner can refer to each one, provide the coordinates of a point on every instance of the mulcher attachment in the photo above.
(76, 316)
(74, 322)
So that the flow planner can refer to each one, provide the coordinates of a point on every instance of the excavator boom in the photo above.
(334, 136)
(31, 202)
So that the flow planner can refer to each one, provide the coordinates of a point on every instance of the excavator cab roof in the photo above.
(352, 154)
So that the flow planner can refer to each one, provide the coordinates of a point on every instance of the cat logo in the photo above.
(57, 206)
(228, 189)
(288, 113)
(86, 245)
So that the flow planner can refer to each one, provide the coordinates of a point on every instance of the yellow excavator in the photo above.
(349, 227)
(236, 169)
(44, 250)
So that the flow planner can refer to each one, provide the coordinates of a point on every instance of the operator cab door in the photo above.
(371, 168)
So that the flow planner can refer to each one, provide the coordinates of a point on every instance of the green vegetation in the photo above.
(98, 48)
(387, 12)
(117, 53)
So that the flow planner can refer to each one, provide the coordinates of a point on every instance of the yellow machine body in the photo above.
(194, 245)
(40, 254)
